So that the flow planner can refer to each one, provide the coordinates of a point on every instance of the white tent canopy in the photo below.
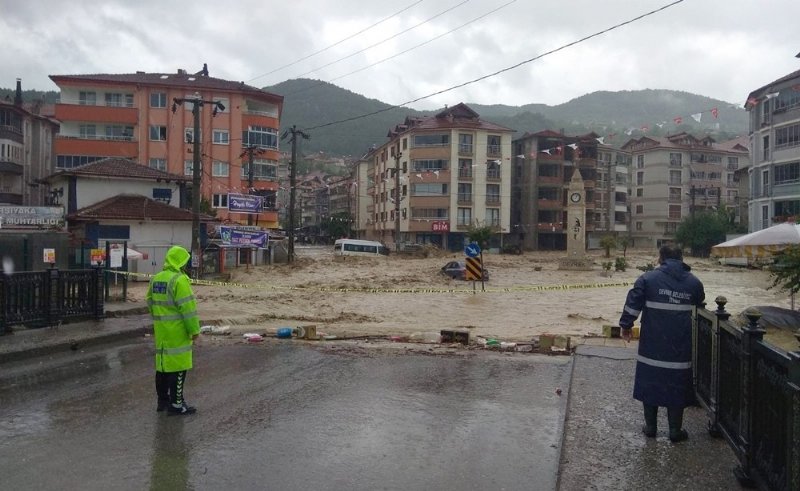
(762, 243)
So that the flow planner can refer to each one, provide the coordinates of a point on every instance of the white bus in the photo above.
(355, 247)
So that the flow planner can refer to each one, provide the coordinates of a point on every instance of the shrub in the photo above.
(647, 267)
(620, 264)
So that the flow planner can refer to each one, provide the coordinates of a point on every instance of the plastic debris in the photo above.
(284, 332)
(558, 391)
(525, 348)
(252, 337)
(216, 330)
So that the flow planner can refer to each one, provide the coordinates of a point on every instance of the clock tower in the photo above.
(576, 226)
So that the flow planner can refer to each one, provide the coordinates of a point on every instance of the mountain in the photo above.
(311, 104)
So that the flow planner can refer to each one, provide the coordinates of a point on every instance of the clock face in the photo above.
(575, 197)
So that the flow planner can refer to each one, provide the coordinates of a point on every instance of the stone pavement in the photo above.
(603, 447)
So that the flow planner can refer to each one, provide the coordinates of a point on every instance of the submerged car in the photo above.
(458, 270)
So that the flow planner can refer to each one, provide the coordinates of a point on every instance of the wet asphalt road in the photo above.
(285, 416)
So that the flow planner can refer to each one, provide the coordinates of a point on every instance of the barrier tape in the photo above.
(510, 289)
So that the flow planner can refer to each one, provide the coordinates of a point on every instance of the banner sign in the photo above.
(237, 237)
(244, 203)
(27, 216)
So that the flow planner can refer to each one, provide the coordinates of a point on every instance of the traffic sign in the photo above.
(473, 269)
(472, 250)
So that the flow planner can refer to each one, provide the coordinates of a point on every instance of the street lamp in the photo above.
(197, 102)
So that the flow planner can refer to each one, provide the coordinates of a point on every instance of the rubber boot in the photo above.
(650, 421)
(676, 431)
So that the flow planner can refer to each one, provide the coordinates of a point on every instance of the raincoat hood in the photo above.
(675, 268)
(176, 258)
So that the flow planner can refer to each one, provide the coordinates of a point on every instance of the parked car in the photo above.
(457, 270)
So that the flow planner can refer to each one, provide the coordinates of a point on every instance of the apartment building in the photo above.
(544, 163)
(26, 152)
(676, 176)
(775, 152)
(450, 171)
(135, 116)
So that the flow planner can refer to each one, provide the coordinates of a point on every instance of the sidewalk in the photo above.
(602, 446)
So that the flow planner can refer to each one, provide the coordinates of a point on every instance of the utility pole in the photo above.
(611, 193)
(250, 150)
(197, 102)
(397, 155)
(292, 182)
(691, 206)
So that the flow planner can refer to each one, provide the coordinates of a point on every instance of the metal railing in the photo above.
(48, 298)
(750, 391)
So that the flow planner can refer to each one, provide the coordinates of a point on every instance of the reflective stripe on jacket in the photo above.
(174, 311)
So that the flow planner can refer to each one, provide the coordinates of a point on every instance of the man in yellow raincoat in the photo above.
(174, 310)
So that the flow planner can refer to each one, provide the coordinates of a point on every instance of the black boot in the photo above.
(676, 431)
(650, 421)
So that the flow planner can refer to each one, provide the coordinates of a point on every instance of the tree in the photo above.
(702, 231)
(337, 225)
(608, 242)
(785, 271)
(624, 242)
(480, 234)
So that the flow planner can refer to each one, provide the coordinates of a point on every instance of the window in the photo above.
(464, 217)
(464, 192)
(188, 167)
(465, 144)
(638, 225)
(787, 99)
(640, 178)
(492, 194)
(221, 137)
(119, 132)
(765, 147)
(158, 99)
(640, 161)
(639, 209)
(493, 217)
(225, 103)
(787, 173)
(87, 98)
(163, 195)
(188, 136)
(675, 159)
(263, 170)
(465, 168)
(428, 189)
(765, 112)
(675, 194)
(715, 176)
(429, 213)
(158, 133)
(219, 169)
(70, 161)
(261, 136)
(492, 170)
(675, 212)
(119, 100)
(493, 145)
(430, 140)
(733, 163)
(219, 201)
(639, 192)
(88, 131)
(429, 165)
(158, 164)
(788, 136)
(675, 177)
(698, 174)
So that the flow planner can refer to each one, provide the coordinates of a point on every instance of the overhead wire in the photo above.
(404, 51)
(362, 31)
(384, 40)
(503, 70)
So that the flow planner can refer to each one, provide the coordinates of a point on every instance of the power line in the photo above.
(362, 31)
(555, 50)
(404, 51)
(385, 40)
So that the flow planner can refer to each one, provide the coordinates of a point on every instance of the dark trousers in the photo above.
(169, 387)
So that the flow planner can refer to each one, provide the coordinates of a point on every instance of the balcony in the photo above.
(464, 198)
(70, 145)
(493, 174)
(465, 174)
(549, 204)
(548, 179)
(11, 168)
(97, 114)
(493, 150)
(10, 198)
(11, 133)
(550, 227)
(465, 149)
(493, 200)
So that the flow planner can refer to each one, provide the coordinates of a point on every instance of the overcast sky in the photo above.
(718, 48)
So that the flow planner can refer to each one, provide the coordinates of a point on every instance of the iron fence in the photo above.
(50, 297)
(751, 392)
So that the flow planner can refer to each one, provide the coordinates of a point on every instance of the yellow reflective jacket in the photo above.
(174, 310)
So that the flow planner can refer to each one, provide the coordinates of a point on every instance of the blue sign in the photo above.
(472, 250)
(236, 237)
(244, 203)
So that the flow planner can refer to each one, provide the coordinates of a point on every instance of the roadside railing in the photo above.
(751, 392)
(48, 298)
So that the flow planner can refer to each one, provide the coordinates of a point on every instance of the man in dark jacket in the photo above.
(664, 297)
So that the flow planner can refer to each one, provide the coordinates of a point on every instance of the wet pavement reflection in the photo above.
(287, 416)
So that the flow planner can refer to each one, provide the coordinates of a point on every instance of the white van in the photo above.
(355, 247)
